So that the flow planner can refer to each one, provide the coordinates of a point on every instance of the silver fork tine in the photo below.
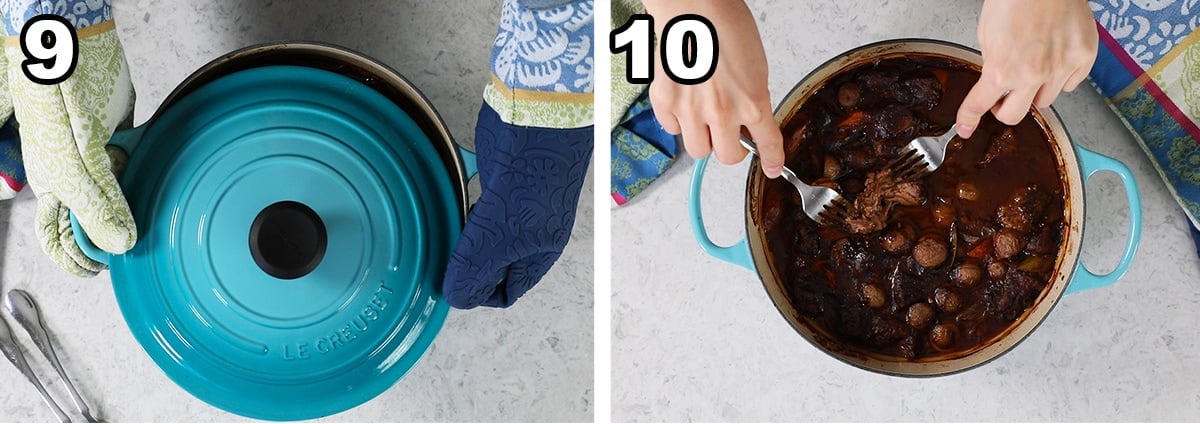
(913, 166)
(928, 150)
(814, 200)
(833, 212)
(838, 207)
(923, 155)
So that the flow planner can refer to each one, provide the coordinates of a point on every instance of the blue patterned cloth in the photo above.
(1148, 70)
(81, 13)
(12, 172)
(1147, 29)
(544, 4)
(542, 65)
(545, 46)
(641, 151)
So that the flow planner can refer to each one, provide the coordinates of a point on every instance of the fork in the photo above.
(823, 204)
(22, 307)
(10, 349)
(923, 155)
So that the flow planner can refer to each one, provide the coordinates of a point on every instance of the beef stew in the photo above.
(928, 267)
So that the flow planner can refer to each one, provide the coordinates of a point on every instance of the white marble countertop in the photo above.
(532, 362)
(698, 339)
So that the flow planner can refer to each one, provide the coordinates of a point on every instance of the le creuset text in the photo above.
(344, 335)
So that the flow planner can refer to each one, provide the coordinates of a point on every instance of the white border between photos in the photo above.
(602, 250)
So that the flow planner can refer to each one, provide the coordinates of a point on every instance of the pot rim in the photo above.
(407, 96)
(1069, 170)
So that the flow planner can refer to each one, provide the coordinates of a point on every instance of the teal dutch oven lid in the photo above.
(294, 226)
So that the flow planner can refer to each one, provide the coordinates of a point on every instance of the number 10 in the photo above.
(688, 48)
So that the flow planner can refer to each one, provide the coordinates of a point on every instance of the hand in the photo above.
(64, 129)
(710, 115)
(1032, 51)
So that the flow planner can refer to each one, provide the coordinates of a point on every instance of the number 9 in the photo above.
(49, 57)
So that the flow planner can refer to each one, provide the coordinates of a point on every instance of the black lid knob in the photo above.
(288, 240)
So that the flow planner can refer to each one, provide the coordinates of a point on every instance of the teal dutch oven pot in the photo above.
(1077, 166)
(297, 205)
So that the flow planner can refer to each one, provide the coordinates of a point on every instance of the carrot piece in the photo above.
(983, 247)
(853, 119)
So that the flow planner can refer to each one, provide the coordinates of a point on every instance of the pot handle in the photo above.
(127, 140)
(737, 253)
(470, 163)
(88, 248)
(1091, 163)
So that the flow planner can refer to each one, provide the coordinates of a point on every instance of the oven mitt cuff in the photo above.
(531, 180)
(64, 129)
(542, 64)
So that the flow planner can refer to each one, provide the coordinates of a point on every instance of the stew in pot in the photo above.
(923, 267)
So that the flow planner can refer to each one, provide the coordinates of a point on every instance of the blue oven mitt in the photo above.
(534, 142)
(531, 179)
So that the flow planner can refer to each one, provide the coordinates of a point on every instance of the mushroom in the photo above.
(1008, 243)
(996, 270)
(919, 314)
(947, 300)
(849, 94)
(967, 274)
(943, 213)
(943, 335)
(967, 191)
(832, 167)
(897, 239)
(930, 252)
(873, 295)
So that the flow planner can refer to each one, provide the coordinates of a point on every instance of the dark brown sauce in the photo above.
(866, 285)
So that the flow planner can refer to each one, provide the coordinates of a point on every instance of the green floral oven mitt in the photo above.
(64, 127)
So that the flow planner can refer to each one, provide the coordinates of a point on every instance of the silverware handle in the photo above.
(25, 310)
(753, 148)
(58, 412)
(13, 353)
(749, 144)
